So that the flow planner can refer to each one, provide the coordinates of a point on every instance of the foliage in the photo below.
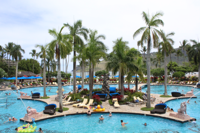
(165, 96)
(45, 97)
(147, 109)
(138, 94)
(64, 109)
(158, 72)
(96, 90)
(3, 73)
(171, 66)
(184, 69)
(110, 102)
(119, 97)
(96, 99)
(75, 96)
(27, 65)
(84, 92)
(178, 74)
(100, 73)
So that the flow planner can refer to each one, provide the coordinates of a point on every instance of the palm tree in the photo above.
(194, 54)
(166, 46)
(94, 51)
(42, 54)
(9, 49)
(2, 51)
(144, 50)
(17, 55)
(76, 31)
(118, 61)
(150, 34)
(33, 54)
(178, 53)
(62, 47)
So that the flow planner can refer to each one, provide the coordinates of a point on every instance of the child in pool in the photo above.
(123, 123)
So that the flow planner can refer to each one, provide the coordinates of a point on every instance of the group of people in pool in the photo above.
(13, 119)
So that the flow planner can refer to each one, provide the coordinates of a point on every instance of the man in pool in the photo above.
(145, 124)
(101, 118)
(89, 112)
(123, 123)
(14, 119)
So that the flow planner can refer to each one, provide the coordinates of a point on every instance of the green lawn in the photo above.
(44, 97)
(147, 109)
(165, 96)
(64, 109)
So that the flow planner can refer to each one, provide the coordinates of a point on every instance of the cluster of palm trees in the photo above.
(12, 51)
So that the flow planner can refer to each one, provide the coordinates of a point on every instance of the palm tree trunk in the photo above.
(59, 87)
(199, 71)
(83, 69)
(122, 85)
(33, 64)
(148, 73)
(48, 74)
(66, 64)
(128, 84)
(44, 79)
(136, 84)
(165, 65)
(119, 80)
(90, 80)
(16, 72)
(74, 74)
(8, 64)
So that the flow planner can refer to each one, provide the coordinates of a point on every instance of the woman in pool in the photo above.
(110, 114)
(40, 130)
(89, 112)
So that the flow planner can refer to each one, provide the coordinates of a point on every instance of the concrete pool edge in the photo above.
(65, 113)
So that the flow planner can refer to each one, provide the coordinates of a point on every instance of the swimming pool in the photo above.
(66, 88)
(160, 89)
(86, 124)
(14, 108)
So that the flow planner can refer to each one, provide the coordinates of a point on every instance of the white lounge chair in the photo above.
(83, 103)
(116, 104)
(88, 105)
(64, 100)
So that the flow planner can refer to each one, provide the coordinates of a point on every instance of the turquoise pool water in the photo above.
(66, 88)
(159, 89)
(14, 108)
(90, 124)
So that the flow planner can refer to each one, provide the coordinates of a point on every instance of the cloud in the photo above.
(27, 22)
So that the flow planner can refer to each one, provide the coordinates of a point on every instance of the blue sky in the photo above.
(27, 22)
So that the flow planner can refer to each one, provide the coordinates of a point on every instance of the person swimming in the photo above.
(89, 113)
(188, 101)
(14, 119)
(101, 118)
(123, 123)
(110, 114)
(145, 124)
(195, 102)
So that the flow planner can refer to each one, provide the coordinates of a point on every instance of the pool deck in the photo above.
(122, 109)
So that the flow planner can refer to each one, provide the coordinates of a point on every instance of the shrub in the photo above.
(119, 97)
(178, 74)
(96, 99)
(84, 92)
(96, 90)
(75, 97)
(138, 94)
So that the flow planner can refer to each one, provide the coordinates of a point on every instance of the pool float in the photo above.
(26, 128)
(98, 109)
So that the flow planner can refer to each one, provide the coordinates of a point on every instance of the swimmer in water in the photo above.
(9, 94)
(14, 119)
(145, 124)
(123, 123)
(110, 114)
(188, 101)
(195, 102)
(101, 118)
(88, 113)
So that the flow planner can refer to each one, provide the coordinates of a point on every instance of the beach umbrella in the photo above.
(3, 78)
(135, 76)
(117, 76)
(88, 76)
(32, 77)
(11, 78)
(76, 76)
(22, 78)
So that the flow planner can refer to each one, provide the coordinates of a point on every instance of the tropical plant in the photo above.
(33, 54)
(178, 54)
(166, 46)
(9, 51)
(194, 54)
(3, 73)
(42, 54)
(76, 31)
(150, 34)
(27, 65)
(94, 51)
(62, 46)
(17, 55)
